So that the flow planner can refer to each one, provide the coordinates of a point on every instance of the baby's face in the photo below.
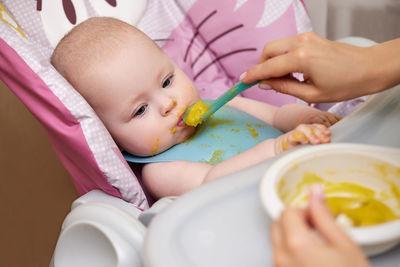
(140, 95)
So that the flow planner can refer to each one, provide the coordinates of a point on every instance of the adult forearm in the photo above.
(384, 65)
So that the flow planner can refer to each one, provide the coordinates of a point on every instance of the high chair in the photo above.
(218, 224)
(107, 225)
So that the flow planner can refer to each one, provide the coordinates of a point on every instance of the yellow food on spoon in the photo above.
(196, 112)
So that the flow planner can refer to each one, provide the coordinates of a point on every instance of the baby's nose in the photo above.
(168, 106)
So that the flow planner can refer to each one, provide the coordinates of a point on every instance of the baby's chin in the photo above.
(161, 146)
(149, 152)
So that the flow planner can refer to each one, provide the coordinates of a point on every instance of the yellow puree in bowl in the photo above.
(357, 203)
(196, 112)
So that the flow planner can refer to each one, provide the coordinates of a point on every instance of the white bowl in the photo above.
(338, 162)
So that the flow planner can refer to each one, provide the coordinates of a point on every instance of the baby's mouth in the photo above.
(180, 122)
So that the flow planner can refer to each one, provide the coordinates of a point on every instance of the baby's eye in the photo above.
(141, 110)
(167, 82)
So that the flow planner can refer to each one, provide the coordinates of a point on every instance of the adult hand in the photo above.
(333, 71)
(311, 237)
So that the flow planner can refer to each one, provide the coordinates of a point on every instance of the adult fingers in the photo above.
(286, 45)
(303, 90)
(276, 236)
(324, 222)
(272, 68)
(296, 231)
(276, 48)
(280, 254)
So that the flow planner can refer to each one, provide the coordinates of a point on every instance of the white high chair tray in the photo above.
(223, 223)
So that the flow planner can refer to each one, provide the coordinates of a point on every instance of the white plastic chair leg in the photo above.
(99, 235)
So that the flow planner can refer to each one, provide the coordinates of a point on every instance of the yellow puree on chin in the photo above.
(350, 200)
(196, 112)
(155, 147)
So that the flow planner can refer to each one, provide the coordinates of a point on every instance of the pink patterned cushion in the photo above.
(79, 138)
(219, 40)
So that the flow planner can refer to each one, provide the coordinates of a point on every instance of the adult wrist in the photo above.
(385, 69)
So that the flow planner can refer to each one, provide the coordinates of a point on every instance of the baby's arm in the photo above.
(302, 134)
(261, 110)
(175, 178)
(284, 118)
(289, 116)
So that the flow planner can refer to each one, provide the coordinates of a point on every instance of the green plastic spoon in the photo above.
(203, 109)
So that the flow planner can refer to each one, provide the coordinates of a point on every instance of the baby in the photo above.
(140, 94)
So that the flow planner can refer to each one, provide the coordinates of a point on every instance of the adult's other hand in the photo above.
(311, 237)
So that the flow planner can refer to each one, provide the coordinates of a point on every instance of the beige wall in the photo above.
(35, 190)
(372, 19)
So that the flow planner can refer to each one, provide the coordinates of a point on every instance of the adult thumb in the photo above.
(291, 86)
(323, 220)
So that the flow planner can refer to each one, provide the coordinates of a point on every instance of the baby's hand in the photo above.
(302, 134)
(320, 117)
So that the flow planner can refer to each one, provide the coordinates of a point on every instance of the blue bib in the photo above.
(228, 133)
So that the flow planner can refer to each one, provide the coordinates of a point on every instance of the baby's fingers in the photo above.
(326, 119)
(331, 119)
(315, 133)
(320, 134)
(324, 130)
(297, 138)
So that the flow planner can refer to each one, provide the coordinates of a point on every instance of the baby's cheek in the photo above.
(189, 132)
(162, 143)
(142, 145)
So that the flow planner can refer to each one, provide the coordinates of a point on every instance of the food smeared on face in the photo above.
(155, 147)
